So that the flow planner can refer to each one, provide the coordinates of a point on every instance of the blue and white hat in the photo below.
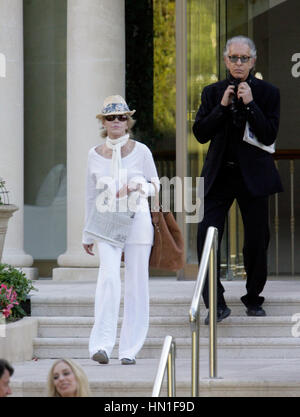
(114, 105)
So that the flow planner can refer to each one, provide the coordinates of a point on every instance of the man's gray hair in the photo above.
(241, 39)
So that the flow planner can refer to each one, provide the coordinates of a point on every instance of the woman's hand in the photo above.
(88, 248)
(125, 190)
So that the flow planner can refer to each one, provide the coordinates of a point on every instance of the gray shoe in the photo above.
(101, 357)
(126, 361)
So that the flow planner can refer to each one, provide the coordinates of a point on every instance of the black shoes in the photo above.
(222, 313)
(255, 311)
(126, 361)
(101, 357)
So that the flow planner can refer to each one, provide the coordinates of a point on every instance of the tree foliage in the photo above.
(151, 68)
(164, 68)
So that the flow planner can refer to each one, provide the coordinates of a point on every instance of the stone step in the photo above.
(168, 297)
(234, 348)
(113, 389)
(78, 348)
(252, 327)
(237, 378)
(81, 327)
(113, 380)
(247, 347)
(256, 356)
(74, 327)
(179, 307)
(84, 307)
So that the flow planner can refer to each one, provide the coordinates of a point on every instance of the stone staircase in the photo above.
(65, 326)
(256, 356)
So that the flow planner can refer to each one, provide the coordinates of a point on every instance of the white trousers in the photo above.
(107, 300)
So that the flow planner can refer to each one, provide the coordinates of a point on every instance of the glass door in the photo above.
(206, 28)
(209, 24)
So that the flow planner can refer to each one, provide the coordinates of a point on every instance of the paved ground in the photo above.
(236, 377)
(229, 369)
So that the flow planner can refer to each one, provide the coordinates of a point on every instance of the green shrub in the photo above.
(13, 278)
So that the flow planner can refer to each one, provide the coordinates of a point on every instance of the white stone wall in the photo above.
(11, 126)
(95, 69)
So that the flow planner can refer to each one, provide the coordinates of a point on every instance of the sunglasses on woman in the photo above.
(120, 117)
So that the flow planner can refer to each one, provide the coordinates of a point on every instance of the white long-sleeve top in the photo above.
(141, 169)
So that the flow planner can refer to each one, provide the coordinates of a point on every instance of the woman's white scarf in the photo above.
(116, 163)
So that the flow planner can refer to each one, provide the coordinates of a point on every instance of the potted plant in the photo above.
(16, 331)
(14, 293)
(6, 211)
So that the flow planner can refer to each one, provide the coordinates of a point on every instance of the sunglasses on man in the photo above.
(120, 117)
(235, 58)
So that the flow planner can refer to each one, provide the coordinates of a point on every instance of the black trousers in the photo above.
(229, 185)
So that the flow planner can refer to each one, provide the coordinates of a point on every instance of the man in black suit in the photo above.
(235, 169)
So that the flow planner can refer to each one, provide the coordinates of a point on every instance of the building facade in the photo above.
(60, 59)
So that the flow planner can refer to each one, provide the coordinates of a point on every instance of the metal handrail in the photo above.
(167, 358)
(208, 259)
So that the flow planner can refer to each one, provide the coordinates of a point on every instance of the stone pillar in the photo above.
(11, 134)
(95, 69)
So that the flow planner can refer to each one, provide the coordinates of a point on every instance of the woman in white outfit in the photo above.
(118, 155)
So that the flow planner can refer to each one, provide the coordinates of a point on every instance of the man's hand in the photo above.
(228, 95)
(89, 249)
(244, 92)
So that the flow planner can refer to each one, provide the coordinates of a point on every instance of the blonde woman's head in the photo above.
(128, 129)
(67, 379)
(115, 105)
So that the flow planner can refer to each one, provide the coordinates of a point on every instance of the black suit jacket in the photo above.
(212, 123)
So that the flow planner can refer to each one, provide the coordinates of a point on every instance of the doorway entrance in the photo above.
(274, 27)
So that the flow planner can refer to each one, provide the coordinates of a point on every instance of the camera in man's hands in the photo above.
(237, 105)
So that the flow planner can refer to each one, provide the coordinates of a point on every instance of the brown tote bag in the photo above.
(168, 247)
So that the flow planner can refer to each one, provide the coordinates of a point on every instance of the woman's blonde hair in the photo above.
(83, 389)
(130, 122)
